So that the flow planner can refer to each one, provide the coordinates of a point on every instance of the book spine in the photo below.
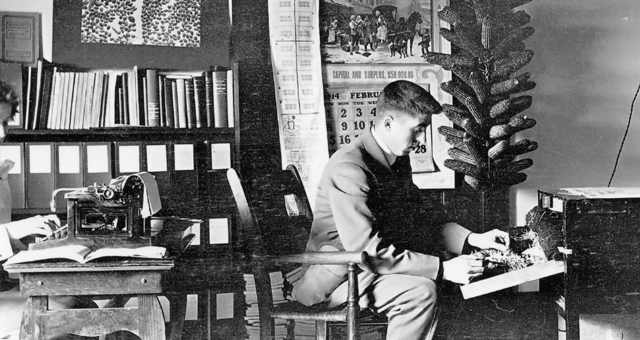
(190, 103)
(230, 99)
(161, 101)
(208, 92)
(26, 100)
(153, 101)
(142, 106)
(220, 115)
(79, 100)
(182, 109)
(55, 101)
(38, 96)
(126, 108)
(169, 105)
(88, 102)
(199, 101)
(47, 83)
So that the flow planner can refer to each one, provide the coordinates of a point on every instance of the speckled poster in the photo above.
(158, 23)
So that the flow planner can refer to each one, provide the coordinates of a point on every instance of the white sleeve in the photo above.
(6, 251)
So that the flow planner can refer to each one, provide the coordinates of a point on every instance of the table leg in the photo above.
(151, 318)
(33, 325)
(178, 309)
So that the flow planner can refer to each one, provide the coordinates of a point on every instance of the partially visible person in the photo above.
(382, 28)
(333, 27)
(368, 31)
(11, 233)
(355, 37)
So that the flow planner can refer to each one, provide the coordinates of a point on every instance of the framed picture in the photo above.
(21, 37)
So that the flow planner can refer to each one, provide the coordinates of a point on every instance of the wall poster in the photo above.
(294, 36)
(365, 44)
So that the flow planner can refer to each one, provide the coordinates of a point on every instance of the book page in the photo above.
(72, 252)
(150, 252)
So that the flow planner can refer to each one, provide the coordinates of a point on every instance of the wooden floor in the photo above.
(502, 315)
(499, 316)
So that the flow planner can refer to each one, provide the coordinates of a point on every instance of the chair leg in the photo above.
(353, 308)
(321, 330)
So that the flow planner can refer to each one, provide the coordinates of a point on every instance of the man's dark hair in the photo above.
(7, 95)
(408, 97)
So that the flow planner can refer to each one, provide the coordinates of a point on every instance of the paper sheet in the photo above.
(602, 192)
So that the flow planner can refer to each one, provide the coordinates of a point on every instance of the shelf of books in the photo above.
(62, 97)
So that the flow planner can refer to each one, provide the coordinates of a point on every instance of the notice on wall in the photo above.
(21, 37)
(297, 73)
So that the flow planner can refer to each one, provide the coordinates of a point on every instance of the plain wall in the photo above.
(587, 69)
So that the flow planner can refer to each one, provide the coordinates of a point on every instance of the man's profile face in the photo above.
(407, 132)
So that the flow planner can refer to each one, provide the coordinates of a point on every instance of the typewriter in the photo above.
(102, 216)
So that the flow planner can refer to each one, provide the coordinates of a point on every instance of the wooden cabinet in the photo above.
(601, 273)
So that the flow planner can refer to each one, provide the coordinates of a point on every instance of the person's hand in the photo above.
(493, 239)
(33, 226)
(463, 268)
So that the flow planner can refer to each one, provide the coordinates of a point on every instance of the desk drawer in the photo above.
(91, 283)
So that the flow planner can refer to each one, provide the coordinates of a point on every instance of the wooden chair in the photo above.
(288, 252)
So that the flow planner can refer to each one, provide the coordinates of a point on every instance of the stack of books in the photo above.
(252, 316)
(277, 293)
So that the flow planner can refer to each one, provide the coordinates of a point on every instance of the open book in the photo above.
(84, 254)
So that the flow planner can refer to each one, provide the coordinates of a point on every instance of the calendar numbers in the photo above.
(347, 118)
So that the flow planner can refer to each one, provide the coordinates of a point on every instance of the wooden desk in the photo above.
(141, 278)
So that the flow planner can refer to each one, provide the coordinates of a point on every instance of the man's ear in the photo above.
(386, 122)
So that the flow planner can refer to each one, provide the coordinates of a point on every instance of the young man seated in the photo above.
(367, 201)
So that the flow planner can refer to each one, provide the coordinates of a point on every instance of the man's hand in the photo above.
(35, 226)
(494, 239)
(463, 268)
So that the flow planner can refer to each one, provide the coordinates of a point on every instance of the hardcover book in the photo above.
(220, 115)
(153, 101)
(84, 254)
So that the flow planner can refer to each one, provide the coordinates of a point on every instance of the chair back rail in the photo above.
(278, 228)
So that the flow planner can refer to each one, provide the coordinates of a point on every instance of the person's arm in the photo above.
(462, 269)
(14, 231)
(348, 190)
(6, 250)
